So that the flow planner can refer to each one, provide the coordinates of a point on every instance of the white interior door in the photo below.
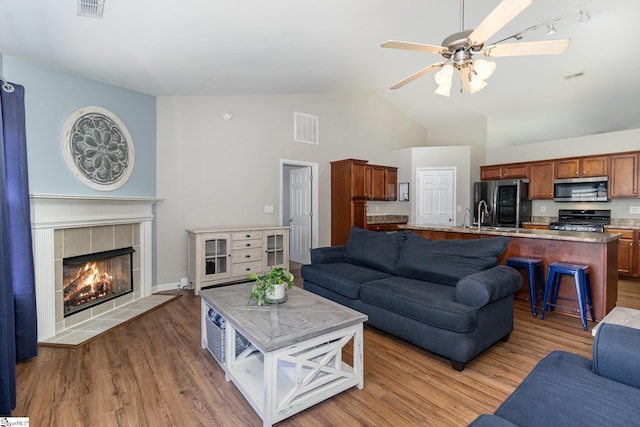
(301, 215)
(436, 196)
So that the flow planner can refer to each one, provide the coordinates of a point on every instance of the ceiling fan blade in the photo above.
(498, 18)
(419, 74)
(545, 47)
(395, 44)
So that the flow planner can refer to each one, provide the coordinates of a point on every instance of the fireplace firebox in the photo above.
(89, 280)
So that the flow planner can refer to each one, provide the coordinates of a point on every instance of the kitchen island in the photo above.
(597, 250)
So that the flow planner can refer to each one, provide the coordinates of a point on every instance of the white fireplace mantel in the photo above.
(50, 212)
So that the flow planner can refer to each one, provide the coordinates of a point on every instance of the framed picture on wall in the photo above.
(403, 192)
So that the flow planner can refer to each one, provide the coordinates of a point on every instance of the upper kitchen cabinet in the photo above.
(582, 167)
(391, 184)
(624, 176)
(541, 180)
(381, 182)
(510, 171)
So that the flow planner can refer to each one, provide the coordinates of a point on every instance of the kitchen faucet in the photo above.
(481, 213)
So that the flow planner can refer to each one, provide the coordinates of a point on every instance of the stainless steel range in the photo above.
(592, 220)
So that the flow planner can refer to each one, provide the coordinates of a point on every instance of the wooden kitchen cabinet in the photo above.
(541, 180)
(391, 184)
(535, 226)
(510, 171)
(582, 167)
(381, 182)
(628, 251)
(624, 176)
(353, 182)
(375, 182)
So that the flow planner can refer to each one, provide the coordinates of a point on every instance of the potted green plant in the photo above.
(270, 287)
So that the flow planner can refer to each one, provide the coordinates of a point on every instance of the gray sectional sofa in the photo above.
(565, 389)
(446, 296)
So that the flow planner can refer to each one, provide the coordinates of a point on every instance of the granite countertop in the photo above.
(521, 232)
(387, 219)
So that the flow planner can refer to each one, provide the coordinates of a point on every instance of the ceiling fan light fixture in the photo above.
(483, 68)
(476, 84)
(443, 90)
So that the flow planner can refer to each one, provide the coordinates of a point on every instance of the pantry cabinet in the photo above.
(353, 182)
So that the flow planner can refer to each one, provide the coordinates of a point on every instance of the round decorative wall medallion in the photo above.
(97, 148)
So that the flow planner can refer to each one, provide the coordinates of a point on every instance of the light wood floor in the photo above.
(152, 372)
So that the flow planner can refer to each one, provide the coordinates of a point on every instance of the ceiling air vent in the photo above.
(305, 128)
(90, 8)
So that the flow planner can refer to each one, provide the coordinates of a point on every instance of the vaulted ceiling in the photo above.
(236, 47)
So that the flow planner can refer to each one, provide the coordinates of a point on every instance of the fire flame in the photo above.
(95, 276)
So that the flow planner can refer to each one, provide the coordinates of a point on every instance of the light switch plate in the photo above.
(268, 208)
(634, 209)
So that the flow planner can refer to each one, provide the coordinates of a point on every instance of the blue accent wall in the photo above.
(50, 97)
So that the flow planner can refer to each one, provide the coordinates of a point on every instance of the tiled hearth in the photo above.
(66, 226)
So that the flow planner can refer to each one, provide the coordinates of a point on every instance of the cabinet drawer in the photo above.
(247, 235)
(242, 269)
(626, 234)
(246, 244)
(246, 255)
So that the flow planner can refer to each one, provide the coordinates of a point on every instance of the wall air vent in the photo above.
(91, 8)
(305, 128)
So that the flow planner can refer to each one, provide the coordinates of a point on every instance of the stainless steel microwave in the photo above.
(593, 189)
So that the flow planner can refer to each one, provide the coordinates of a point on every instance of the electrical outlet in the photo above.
(634, 209)
(543, 208)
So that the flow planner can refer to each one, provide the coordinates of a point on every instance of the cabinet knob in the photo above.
(247, 256)
(247, 245)
(247, 236)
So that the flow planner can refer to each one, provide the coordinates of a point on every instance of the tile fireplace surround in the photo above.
(65, 226)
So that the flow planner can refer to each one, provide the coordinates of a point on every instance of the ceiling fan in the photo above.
(458, 50)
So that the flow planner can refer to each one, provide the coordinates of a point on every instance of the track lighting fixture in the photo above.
(551, 29)
(584, 15)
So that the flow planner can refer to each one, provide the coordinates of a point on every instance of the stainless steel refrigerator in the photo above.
(508, 203)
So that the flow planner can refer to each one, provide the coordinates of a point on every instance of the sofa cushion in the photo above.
(562, 391)
(427, 302)
(373, 249)
(342, 278)
(447, 261)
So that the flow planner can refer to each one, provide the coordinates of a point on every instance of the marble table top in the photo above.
(302, 316)
(621, 316)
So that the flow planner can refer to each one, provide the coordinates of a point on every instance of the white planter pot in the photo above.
(278, 292)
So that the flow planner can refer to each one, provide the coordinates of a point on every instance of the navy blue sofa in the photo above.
(565, 389)
(445, 296)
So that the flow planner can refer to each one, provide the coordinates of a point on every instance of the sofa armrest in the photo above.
(328, 254)
(615, 354)
(490, 420)
(481, 288)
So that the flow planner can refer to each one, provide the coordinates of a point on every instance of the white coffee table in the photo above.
(621, 316)
(299, 358)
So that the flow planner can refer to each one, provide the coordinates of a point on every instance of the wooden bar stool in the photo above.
(534, 277)
(583, 289)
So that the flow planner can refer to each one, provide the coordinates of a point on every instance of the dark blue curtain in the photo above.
(18, 328)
